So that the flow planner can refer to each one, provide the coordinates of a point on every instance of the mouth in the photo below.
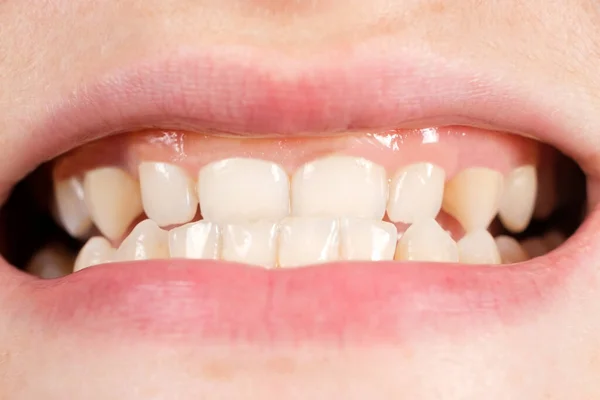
(170, 196)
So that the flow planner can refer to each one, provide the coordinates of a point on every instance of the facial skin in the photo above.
(48, 48)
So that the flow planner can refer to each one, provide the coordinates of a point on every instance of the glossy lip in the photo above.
(246, 93)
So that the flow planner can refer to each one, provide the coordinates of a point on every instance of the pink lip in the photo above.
(255, 94)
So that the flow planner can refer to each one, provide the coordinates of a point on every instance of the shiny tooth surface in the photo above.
(518, 198)
(340, 186)
(554, 239)
(478, 247)
(145, 242)
(71, 210)
(51, 261)
(416, 192)
(367, 240)
(510, 250)
(199, 240)
(113, 199)
(168, 194)
(473, 196)
(243, 189)
(535, 247)
(310, 240)
(426, 240)
(250, 243)
(97, 250)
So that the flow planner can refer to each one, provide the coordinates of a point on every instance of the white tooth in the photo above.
(145, 242)
(535, 247)
(251, 243)
(113, 199)
(367, 240)
(70, 206)
(51, 261)
(478, 247)
(96, 251)
(426, 240)
(340, 186)
(305, 241)
(168, 194)
(416, 193)
(198, 240)
(510, 250)
(553, 239)
(472, 197)
(243, 189)
(518, 199)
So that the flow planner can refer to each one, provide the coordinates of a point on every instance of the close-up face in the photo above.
(300, 199)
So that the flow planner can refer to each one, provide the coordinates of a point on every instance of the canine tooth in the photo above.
(199, 240)
(168, 194)
(416, 192)
(71, 210)
(367, 240)
(145, 242)
(510, 250)
(478, 247)
(518, 200)
(426, 240)
(251, 243)
(243, 189)
(535, 247)
(310, 240)
(51, 261)
(340, 186)
(113, 199)
(96, 251)
(472, 197)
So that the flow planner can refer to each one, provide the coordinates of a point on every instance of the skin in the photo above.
(555, 355)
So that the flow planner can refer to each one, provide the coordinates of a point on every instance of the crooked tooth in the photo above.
(367, 240)
(113, 199)
(426, 240)
(472, 197)
(535, 247)
(416, 193)
(198, 240)
(145, 242)
(518, 200)
(52, 261)
(478, 247)
(96, 251)
(305, 241)
(71, 210)
(251, 243)
(243, 189)
(340, 186)
(510, 250)
(168, 194)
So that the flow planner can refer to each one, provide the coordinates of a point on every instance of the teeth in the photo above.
(52, 261)
(518, 199)
(340, 186)
(472, 197)
(251, 243)
(168, 194)
(242, 189)
(510, 250)
(553, 239)
(96, 251)
(71, 209)
(199, 240)
(535, 247)
(367, 240)
(145, 242)
(416, 193)
(426, 241)
(113, 199)
(478, 247)
(306, 241)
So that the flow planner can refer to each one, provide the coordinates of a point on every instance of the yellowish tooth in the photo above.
(309, 240)
(113, 198)
(197, 240)
(473, 196)
(416, 192)
(71, 210)
(478, 247)
(426, 240)
(535, 247)
(145, 242)
(511, 251)
(518, 200)
(96, 251)
(52, 261)
(252, 243)
(367, 240)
